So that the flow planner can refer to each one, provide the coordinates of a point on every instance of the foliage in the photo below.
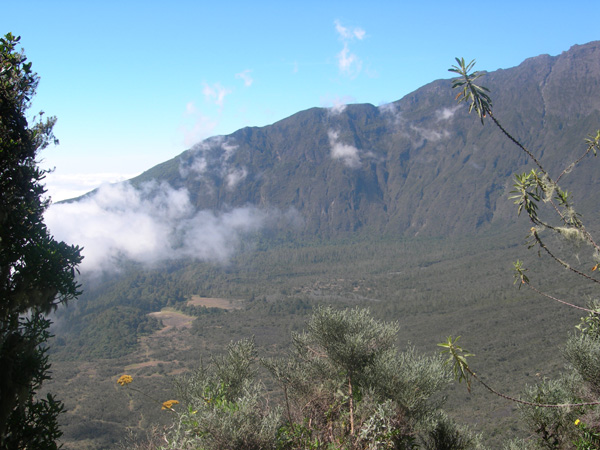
(553, 426)
(344, 386)
(114, 332)
(36, 272)
(352, 275)
(224, 405)
(551, 407)
(458, 358)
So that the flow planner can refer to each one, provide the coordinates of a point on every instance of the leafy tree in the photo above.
(226, 406)
(37, 273)
(551, 408)
(345, 386)
(351, 343)
(350, 387)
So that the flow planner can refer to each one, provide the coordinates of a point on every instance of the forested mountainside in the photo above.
(414, 166)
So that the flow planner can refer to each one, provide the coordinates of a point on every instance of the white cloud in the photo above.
(446, 113)
(390, 110)
(148, 225)
(359, 33)
(245, 77)
(211, 154)
(228, 148)
(197, 166)
(215, 94)
(338, 108)
(348, 63)
(234, 177)
(347, 33)
(198, 127)
(67, 186)
(336, 105)
(347, 153)
(190, 108)
(430, 135)
(419, 133)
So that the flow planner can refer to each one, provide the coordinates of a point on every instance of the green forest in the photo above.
(432, 288)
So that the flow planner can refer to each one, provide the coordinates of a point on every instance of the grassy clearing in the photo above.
(171, 318)
(207, 302)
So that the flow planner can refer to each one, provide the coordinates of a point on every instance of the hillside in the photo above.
(418, 165)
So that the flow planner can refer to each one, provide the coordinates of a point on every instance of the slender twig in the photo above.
(560, 261)
(525, 402)
(350, 395)
(518, 144)
(572, 165)
(559, 300)
(590, 238)
(288, 409)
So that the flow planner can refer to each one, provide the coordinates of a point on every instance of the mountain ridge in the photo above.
(417, 165)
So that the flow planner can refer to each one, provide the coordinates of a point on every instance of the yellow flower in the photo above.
(125, 379)
(169, 404)
(577, 422)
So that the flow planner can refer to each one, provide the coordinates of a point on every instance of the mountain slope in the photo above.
(419, 165)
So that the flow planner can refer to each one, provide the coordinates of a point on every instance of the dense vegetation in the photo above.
(36, 271)
(344, 385)
(433, 288)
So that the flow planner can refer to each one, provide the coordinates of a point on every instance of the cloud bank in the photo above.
(65, 186)
(148, 225)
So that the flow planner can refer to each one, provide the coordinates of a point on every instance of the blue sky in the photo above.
(135, 83)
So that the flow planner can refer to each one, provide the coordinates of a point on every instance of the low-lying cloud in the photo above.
(433, 130)
(348, 154)
(234, 176)
(213, 155)
(430, 134)
(65, 186)
(148, 225)
(446, 113)
(336, 105)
